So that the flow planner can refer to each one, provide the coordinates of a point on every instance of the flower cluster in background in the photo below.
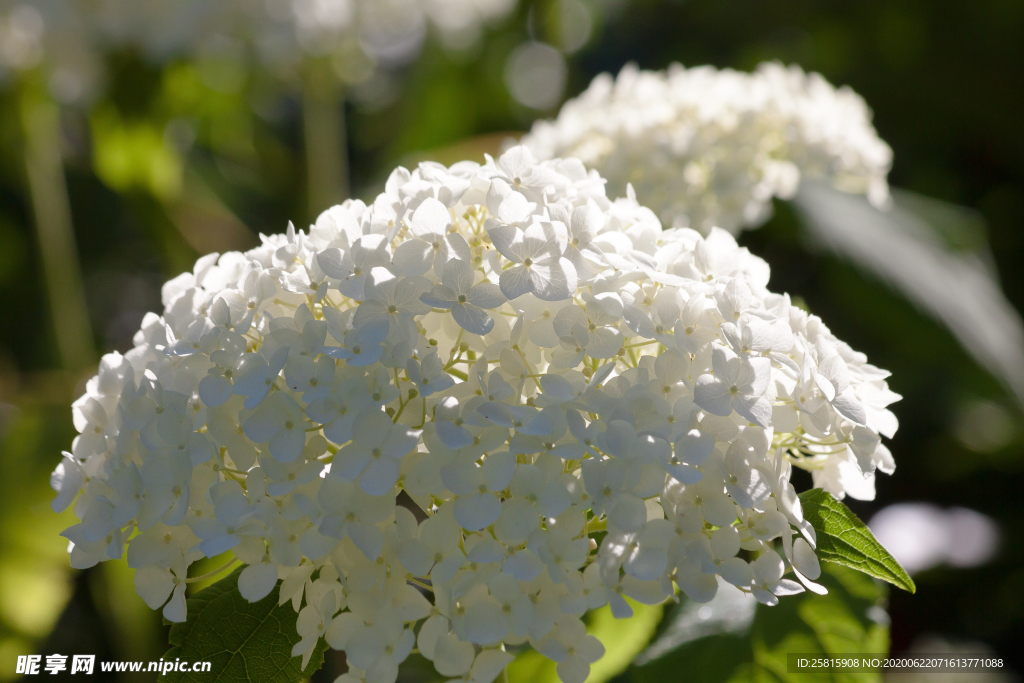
(284, 32)
(494, 387)
(54, 34)
(710, 148)
(391, 29)
(357, 34)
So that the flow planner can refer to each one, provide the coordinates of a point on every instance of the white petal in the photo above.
(486, 295)
(698, 587)
(411, 604)
(477, 510)
(175, 609)
(514, 208)
(380, 476)
(400, 441)
(430, 632)
(439, 297)
(647, 564)
(713, 396)
(757, 410)
(452, 657)
(458, 276)
(430, 218)
(66, 480)
(847, 405)
(725, 542)
(215, 390)
(452, 435)
(413, 257)
(719, 510)
(556, 282)
(498, 469)
(257, 580)
(473, 319)
(368, 538)
(315, 545)
(497, 413)
(573, 670)
(790, 587)
(383, 670)
(736, 571)
(604, 342)
(518, 519)
(684, 473)
(557, 387)
(484, 622)
(153, 584)
(694, 447)
(524, 565)
(341, 630)
(263, 424)
(515, 282)
(488, 664)
(329, 261)
(415, 555)
(288, 444)
(805, 560)
(628, 513)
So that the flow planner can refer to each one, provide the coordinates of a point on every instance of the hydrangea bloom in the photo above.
(70, 39)
(448, 393)
(708, 147)
(387, 29)
(286, 31)
(48, 35)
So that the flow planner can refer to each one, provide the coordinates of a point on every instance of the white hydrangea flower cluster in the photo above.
(711, 148)
(495, 388)
(47, 35)
(387, 29)
(70, 38)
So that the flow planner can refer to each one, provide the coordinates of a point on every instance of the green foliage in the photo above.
(134, 155)
(623, 640)
(844, 539)
(848, 620)
(13, 251)
(35, 582)
(243, 641)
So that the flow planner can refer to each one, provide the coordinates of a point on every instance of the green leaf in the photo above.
(847, 621)
(243, 641)
(844, 539)
(719, 658)
(623, 640)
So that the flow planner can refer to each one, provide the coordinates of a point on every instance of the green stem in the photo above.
(40, 122)
(323, 121)
(218, 570)
(419, 582)
(401, 407)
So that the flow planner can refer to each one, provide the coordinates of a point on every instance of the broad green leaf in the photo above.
(849, 620)
(243, 641)
(718, 658)
(35, 579)
(961, 229)
(623, 639)
(844, 539)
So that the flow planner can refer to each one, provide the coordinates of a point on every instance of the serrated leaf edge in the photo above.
(828, 505)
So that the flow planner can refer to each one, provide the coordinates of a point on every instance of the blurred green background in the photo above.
(177, 157)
